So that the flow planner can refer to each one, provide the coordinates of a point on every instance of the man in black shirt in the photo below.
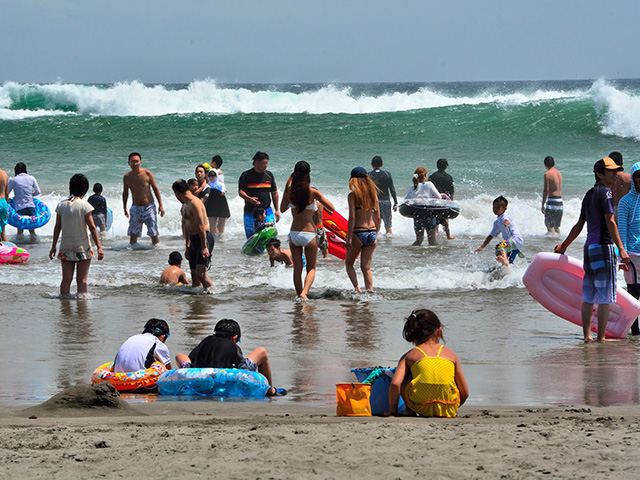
(258, 188)
(444, 183)
(384, 182)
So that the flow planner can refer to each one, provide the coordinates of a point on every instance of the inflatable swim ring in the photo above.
(10, 253)
(220, 382)
(439, 208)
(555, 281)
(40, 219)
(129, 381)
(257, 241)
(109, 219)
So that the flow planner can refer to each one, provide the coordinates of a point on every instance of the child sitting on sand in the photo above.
(277, 254)
(260, 216)
(429, 377)
(173, 274)
(506, 250)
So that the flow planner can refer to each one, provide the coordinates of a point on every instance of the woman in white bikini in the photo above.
(301, 198)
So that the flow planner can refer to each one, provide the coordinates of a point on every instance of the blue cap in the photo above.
(359, 172)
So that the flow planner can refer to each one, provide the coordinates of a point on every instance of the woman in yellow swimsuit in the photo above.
(428, 377)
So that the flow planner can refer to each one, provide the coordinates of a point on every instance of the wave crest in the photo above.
(137, 99)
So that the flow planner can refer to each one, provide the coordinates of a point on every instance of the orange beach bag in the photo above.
(353, 399)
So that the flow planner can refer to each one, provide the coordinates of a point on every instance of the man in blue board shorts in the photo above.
(257, 187)
(599, 284)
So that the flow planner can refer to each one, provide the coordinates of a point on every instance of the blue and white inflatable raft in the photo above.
(219, 382)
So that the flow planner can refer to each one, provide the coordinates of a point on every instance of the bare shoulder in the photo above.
(449, 354)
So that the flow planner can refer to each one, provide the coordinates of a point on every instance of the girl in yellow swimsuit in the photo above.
(428, 377)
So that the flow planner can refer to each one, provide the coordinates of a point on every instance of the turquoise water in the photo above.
(495, 136)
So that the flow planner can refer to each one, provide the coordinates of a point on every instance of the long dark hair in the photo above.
(299, 184)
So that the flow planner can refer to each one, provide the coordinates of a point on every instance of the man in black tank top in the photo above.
(221, 350)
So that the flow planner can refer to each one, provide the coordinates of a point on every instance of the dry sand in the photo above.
(77, 436)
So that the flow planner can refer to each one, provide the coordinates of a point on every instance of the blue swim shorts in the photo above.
(139, 215)
(600, 274)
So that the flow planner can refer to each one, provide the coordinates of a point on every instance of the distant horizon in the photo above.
(407, 82)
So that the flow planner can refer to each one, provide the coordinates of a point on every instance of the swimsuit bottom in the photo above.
(367, 238)
(301, 239)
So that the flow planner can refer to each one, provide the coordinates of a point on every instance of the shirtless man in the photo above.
(143, 209)
(199, 241)
(4, 196)
(622, 185)
(552, 206)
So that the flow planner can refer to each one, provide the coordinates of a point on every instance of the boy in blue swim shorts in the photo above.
(599, 284)
(511, 244)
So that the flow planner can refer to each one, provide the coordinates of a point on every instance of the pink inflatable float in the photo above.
(10, 253)
(555, 281)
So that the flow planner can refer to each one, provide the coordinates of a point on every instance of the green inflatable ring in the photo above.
(257, 241)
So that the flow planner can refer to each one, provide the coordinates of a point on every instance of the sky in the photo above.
(324, 41)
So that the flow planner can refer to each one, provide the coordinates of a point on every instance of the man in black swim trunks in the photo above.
(199, 241)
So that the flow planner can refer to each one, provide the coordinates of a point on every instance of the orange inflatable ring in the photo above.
(129, 381)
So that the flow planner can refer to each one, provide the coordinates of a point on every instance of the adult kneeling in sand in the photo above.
(221, 350)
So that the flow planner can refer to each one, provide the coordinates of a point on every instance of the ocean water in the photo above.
(495, 136)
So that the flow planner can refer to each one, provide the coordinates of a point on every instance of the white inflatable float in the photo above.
(555, 281)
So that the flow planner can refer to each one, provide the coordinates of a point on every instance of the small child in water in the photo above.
(277, 254)
(99, 214)
(428, 377)
(506, 250)
(173, 274)
(259, 216)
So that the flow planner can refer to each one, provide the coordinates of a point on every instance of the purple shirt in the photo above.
(597, 203)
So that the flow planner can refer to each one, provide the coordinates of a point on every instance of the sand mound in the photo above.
(84, 400)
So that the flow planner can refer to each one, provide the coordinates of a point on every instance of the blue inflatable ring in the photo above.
(40, 219)
(219, 382)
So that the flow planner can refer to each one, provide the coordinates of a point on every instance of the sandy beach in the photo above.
(262, 440)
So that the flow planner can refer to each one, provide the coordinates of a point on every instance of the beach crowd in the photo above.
(428, 377)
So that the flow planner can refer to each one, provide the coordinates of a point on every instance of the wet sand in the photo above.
(282, 440)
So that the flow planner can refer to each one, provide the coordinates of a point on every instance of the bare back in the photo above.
(621, 186)
(305, 220)
(139, 182)
(362, 219)
(195, 216)
(553, 182)
(4, 184)
(172, 275)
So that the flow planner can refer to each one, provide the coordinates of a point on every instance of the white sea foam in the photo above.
(396, 266)
(137, 99)
(620, 110)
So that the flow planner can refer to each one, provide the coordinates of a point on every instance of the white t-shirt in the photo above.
(508, 231)
(74, 227)
(133, 353)
(424, 190)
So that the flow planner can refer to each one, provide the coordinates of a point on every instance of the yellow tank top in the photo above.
(433, 391)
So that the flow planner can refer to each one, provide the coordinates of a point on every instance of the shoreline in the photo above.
(271, 440)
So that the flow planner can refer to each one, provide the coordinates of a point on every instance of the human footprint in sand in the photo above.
(506, 250)
(428, 377)
(221, 350)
